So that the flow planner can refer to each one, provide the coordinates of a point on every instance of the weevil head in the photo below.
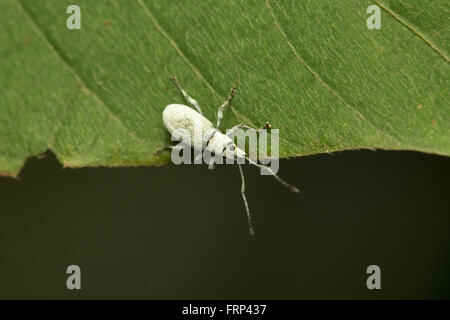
(225, 146)
(230, 150)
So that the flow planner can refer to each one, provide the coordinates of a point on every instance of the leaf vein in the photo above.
(72, 71)
(414, 30)
(197, 72)
(319, 78)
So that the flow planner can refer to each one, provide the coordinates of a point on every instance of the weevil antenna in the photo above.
(249, 218)
(284, 183)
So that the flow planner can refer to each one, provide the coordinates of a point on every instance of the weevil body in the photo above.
(185, 120)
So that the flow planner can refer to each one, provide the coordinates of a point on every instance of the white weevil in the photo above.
(179, 116)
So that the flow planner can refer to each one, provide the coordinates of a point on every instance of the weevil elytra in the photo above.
(179, 116)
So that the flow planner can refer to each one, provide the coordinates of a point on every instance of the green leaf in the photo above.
(312, 68)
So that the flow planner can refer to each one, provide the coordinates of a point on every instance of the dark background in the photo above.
(180, 232)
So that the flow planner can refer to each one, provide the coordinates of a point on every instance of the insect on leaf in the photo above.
(94, 95)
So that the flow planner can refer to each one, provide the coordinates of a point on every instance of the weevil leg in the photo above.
(292, 188)
(247, 210)
(198, 157)
(189, 99)
(224, 105)
(212, 165)
(160, 150)
(238, 127)
(266, 126)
